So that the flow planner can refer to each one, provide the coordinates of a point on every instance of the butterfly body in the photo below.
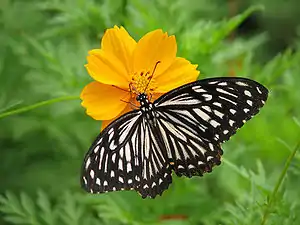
(182, 131)
(147, 108)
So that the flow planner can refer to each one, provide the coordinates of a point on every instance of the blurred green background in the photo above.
(43, 45)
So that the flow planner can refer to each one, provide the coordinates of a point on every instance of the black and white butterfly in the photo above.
(181, 131)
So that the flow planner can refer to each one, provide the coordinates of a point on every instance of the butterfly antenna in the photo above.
(150, 78)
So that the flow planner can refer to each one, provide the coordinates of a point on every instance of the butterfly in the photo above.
(181, 131)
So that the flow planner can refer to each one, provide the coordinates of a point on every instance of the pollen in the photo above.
(142, 82)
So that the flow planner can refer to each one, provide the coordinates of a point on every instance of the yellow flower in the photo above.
(123, 68)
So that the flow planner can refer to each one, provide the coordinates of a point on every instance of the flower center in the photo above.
(142, 82)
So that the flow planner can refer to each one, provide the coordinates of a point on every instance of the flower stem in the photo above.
(278, 184)
(37, 105)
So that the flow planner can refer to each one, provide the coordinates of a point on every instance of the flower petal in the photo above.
(106, 69)
(155, 96)
(179, 73)
(103, 102)
(105, 123)
(153, 47)
(116, 41)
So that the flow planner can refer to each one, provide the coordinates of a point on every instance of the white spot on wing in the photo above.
(199, 90)
(112, 145)
(246, 110)
(111, 134)
(241, 84)
(88, 162)
(259, 91)
(98, 181)
(222, 83)
(196, 87)
(92, 174)
(209, 158)
(110, 130)
(226, 92)
(100, 140)
(228, 100)
(202, 114)
(207, 108)
(113, 158)
(233, 111)
(96, 149)
(217, 104)
(248, 93)
(207, 97)
(120, 164)
(219, 114)
(191, 166)
(249, 102)
(127, 152)
(214, 123)
(129, 168)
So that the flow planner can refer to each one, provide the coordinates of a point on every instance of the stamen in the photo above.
(142, 81)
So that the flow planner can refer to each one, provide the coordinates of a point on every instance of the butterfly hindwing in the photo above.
(189, 148)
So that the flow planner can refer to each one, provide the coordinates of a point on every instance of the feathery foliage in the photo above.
(43, 48)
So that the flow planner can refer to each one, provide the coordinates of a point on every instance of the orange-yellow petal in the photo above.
(106, 68)
(105, 123)
(103, 102)
(155, 96)
(117, 42)
(153, 47)
(179, 73)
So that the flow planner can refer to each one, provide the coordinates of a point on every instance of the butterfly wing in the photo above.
(127, 155)
(195, 118)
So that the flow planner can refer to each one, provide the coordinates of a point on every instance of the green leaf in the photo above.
(27, 204)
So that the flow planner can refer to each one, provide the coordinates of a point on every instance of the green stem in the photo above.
(37, 105)
(278, 184)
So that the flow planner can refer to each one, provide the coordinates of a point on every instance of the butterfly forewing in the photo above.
(182, 130)
(219, 105)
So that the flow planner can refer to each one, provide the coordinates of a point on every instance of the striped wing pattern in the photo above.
(181, 131)
(127, 155)
(195, 118)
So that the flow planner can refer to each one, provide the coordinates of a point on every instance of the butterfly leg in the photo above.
(134, 106)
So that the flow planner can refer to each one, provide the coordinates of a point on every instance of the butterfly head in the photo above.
(142, 97)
